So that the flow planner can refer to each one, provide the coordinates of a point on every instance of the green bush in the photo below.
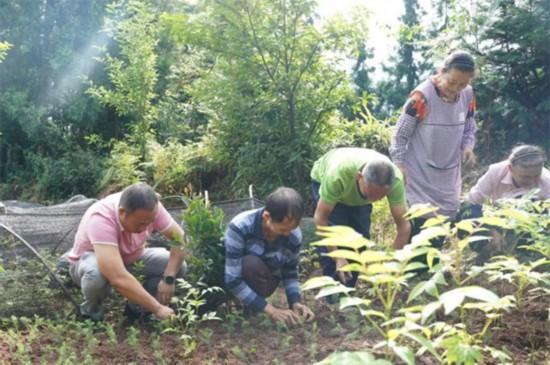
(204, 229)
(75, 172)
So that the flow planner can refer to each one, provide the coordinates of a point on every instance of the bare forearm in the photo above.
(175, 261)
(403, 235)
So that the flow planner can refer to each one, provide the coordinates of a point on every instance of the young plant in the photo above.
(521, 276)
(187, 315)
(204, 230)
(387, 273)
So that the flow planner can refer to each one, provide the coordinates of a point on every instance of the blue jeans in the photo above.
(356, 217)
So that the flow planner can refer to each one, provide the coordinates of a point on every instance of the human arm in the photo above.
(112, 267)
(468, 138)
(234, 243)
(402, 225)
(174, 233)
(482, 190)
(414, 111)
(320, 218)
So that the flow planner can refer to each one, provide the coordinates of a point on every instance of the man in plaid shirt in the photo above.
(262, 247)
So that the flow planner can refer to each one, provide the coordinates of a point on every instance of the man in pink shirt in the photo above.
(522, 172)
(111, 237)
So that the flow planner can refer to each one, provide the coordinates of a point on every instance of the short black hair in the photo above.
(138, 196)
(285, 202)
(460, 60)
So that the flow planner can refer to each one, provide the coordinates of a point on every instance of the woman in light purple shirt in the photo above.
(435, 134)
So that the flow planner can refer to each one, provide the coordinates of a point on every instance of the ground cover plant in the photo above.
(448, 309)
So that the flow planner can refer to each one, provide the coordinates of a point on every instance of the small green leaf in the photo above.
(429, 309)
(318, 282)
(330, 290)
(352, 358)
(404, 354)
(345, 254)
(451, 300)
(346, 302)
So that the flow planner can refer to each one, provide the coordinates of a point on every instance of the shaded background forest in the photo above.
(218, 95)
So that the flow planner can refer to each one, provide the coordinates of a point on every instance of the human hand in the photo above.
(285, 315)
(163, 312)
(343, 276)
(165, 292)
(469, 158)
(303, 311)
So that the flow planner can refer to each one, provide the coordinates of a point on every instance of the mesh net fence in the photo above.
(26, 285)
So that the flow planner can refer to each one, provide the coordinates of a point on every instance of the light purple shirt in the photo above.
(497, 184)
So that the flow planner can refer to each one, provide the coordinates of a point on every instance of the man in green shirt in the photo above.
(345, 183)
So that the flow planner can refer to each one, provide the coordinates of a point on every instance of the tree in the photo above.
(132, 72)
(273, 85)
(510, 42)
(41, 124)
(407, 66)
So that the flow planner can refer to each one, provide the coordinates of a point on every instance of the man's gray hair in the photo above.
(379, 172)
(138, 196)
(527, 156)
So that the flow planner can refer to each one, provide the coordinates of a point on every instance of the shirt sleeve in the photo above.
(163, 219)
(234, 251)
(102, 230)
(331, 189)
(397, 192)
(289, 271)
(481, 191)
(414, 111)
(470, 128)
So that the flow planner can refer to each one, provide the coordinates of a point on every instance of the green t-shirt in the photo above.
(336, 171)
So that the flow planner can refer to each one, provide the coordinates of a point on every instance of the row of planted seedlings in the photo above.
(446, 312)
(53, 334)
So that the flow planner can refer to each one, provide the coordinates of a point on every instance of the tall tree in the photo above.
(408, 65)
(510, 42)
(274, 84)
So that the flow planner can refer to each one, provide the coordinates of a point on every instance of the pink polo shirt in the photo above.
(497, 183)
(101, 225)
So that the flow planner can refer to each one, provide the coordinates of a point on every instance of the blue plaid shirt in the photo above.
(244, 236)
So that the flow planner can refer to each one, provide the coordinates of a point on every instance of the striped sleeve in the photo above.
(414, 111)
(234, 251)
(289, 271)
(470, 128)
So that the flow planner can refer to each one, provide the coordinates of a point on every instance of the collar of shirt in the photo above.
(507, 178)
(438, 91)
(117, 215)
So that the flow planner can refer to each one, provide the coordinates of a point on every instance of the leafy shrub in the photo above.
(75, 172)
(122, 167)
(204, 229)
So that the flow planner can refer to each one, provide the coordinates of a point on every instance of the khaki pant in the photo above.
(95, 287)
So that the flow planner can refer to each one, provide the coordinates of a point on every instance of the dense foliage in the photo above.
(98, 94)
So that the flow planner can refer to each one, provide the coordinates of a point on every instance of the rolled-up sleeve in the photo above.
(482, 190)
(470, 128)
(414, 111)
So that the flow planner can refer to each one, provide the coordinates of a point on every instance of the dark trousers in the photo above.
(258, 276)
(467, 211)
(356, 217)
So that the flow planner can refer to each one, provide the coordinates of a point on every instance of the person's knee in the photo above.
(258, 276)
(94, 281)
